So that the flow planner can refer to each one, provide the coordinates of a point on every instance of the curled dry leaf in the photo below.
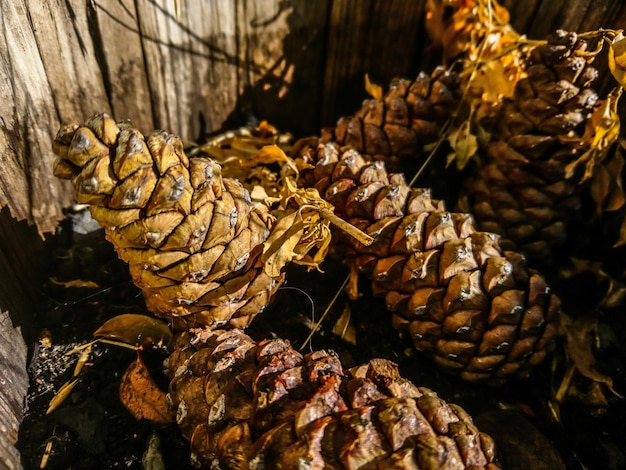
(142, 397)
(606, 184)
(464, 145)
(580, 334)
(135, 329)
(301, 234)
(344, 328)
(617, 58)
(602, 131)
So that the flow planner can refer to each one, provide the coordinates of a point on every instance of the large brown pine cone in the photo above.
(399, 125)
(193, 240)
(247, 405)
(476, 309)
(521, 192)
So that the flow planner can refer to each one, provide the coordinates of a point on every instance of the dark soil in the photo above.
(91, 429)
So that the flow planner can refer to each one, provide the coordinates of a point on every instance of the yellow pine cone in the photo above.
(193, 240)
(462, 300)
(247, 405)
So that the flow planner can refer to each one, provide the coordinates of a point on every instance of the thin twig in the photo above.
(330, 305)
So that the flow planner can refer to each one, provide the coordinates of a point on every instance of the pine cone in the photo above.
(522, 192)
(461, 299)
(247, 405)
(406, 119)
(192, 239)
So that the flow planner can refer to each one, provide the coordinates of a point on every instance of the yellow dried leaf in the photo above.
(617, 58)
(464, 145)
(142, 397)
(374, 90)
(606, 184)
(496, 81)
(601, 131)
(82, 359)
(61, 395)
(135, 329)
(343, 328)
(271, 154)
(500, 13)
(278, 249)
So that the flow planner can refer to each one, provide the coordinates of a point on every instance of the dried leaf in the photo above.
(464, 145)
(141, 395)
(601, 131)
(614, 166)
(374, 90)
(579, 345)
(61, 395)
(617, 58)
(594, 396)
(495, 81)
(75, 283)
(600, 187)
(621, 240)
(135, 329)
(278, 249)
(82, 360)
(271, 154)
(343, 328)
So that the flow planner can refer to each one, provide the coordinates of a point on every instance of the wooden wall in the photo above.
(298, 63)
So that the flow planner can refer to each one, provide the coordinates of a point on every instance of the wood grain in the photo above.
(13, 390)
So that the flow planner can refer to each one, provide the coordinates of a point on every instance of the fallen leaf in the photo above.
(75, 283)
(617, 58)
(135, 329)
(601, 131)
(594, 396)
(464, 145)
(621, 239)
(343, 328)
(278, 249)
(142, 397)
(580, 336)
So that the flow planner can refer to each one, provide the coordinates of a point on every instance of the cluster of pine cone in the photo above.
(458, 288)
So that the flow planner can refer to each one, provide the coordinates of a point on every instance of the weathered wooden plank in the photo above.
(28, 112)
(375, 37)
(281, 57)
(66, 49)
(14, 381)
(192, 71)
(115, 33)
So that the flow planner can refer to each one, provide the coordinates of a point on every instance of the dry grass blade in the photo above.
(62, 394)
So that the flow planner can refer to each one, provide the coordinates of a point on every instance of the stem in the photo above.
(330, 305)
(350, 229)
